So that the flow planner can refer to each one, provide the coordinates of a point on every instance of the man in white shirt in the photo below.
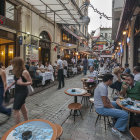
(93, 73)
(40, 65)
(60, 72)
(136, 72)
(65, 63)
(49, 67)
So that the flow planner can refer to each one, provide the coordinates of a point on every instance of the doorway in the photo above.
(7, 51)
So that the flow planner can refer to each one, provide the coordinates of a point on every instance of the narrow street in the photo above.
(52, 105)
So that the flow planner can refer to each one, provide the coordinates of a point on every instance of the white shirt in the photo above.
(73, 60)
(137, 77)
(41, 67)
(65, 63)
(94, 74)
(10, 67)
(49, 68)
(60, 63)
(101, 70)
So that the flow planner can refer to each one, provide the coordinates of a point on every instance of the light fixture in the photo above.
(117, 48)
(28, 33)
(2, 53)
(10, 51)
(119, 43)
(124, 32)
(39, 47)
(40, 37)
(76, 53)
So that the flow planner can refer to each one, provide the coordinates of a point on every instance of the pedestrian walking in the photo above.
(60, 72)
(22, 80)
(3, 86)
(85, 65)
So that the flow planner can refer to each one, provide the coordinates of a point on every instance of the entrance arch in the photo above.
(137, 41)
(44, 47)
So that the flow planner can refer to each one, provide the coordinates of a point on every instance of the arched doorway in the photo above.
(137, 41)
(44, 47)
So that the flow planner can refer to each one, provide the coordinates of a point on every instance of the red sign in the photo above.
(2, 20)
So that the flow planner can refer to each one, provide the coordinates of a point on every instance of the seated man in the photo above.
(103, 105)
(40, 65)
(35, 74)
(49, 67)
(131, 88)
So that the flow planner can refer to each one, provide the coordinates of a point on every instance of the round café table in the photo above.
(131, 109)
(41, 129)
(75, 106)
(128, 108)
(78, 92)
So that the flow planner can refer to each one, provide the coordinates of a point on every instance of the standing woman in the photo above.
(22, 80)
(3, 86)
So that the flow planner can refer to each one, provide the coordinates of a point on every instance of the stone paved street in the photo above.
(51, 105)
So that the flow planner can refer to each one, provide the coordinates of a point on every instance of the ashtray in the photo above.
(26, 135)
(73, 90)
(124, 103)
(130, 103)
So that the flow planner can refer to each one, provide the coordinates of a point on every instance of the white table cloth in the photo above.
(46, 76)
(74, 70)
(10, 80)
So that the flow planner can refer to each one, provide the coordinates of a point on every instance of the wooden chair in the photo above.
(86, 97)
(135, 132)
(59, 131)
(105, 117)
(75, 107)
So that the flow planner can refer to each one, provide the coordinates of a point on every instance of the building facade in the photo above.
(9, 27)
(127, 39)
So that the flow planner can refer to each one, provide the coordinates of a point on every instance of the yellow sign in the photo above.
(101, 43)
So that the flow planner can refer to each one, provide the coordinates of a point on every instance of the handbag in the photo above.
(7, 97)
(30, 89)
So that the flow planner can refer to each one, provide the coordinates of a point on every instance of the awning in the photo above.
(65, 11)
(72, 33)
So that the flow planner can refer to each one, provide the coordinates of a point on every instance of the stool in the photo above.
(135, 132)
(99, 117)
(86, 97)
(91, 100)
(59, 131)
(75, 107)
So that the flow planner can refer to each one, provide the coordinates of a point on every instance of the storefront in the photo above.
(7, 47)
(9, 25)
(137, 41)
(44, 47)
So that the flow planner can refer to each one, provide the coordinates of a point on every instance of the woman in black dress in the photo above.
(22, 80)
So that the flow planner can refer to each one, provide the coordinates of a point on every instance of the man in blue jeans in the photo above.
(103, 105)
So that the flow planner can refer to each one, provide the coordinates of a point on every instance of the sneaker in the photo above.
(117, 133)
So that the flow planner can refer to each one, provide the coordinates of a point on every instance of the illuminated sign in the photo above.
(101, 43)
(2, 20)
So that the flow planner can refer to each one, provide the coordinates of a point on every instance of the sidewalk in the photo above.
(52, 105)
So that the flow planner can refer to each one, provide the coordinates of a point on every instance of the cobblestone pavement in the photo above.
(51, 105)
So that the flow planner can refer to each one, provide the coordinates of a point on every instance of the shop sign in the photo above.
(20, 40)
(2, 20)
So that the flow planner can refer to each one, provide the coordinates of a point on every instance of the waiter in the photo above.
(60, 72)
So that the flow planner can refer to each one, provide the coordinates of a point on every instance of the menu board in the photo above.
(32, 53)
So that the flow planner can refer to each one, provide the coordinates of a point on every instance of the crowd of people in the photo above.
(123, 80)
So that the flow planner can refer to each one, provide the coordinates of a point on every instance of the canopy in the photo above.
(65, 11)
